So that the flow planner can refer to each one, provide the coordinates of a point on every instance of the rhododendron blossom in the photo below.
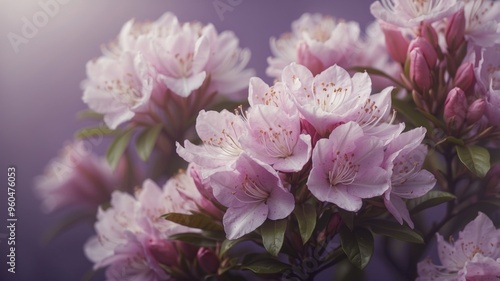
(488, 75)
(482, 18)
(475, 255)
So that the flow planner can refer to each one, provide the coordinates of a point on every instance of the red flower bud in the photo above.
(165, 252)
(420, 73)
(396, 43)
(455, 108)
(476, 111)
(426, 48)
(455, 30)
(465, 77)
(207, 260)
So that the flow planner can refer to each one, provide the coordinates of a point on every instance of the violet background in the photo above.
(40, 95)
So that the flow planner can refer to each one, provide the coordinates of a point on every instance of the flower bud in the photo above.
(396, 43)
(455, 108)
(455, 30)
(476, 111)
(465, 78)
(426, 48)
(420, 74)
(492, 180)
(430, 34)
(307, 59)
(165, 252)
(207, 260)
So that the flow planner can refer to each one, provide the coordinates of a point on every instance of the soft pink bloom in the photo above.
(220, 133)
(275, 138)
(333, 97)
(488, 78)
(77, 178)
(276, 95)
(315, 41)
(132, 238)
(253, 192)
(404, 13)
(475, 255)
(404, 157)
(347, 167)
(482, 22)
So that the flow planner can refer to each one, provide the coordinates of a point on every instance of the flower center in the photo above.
(344, 171)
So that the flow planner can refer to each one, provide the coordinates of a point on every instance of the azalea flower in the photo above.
(404, 156)
(488, 77)
(276, 95)
(347, 167)
(404, 13)
(77, 177)
(220, 133)
(253, 192)
(475, 255)
(275, 138)
(482, 22)
(132, 238)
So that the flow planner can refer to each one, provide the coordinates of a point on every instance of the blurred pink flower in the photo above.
(475, 255)
(488, 78)
(404, 13)
(405, 156)
(77, 177)
(274, 137)
(482, 22)
(253, 192)
(347, 167)
(317, 42)
(132, 238)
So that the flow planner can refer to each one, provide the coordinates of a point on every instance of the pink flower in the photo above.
(253, 192)
(333, 98)
(220, 133)
(347, 167)
(488, 78)
(404, 157)
(276, 95)
(132, 238)
(482, 19)
(77, 178)
(475, 255)
(405, 13)
(275, 138)
(317, 42)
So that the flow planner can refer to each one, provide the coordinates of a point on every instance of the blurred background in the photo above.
(40, 95)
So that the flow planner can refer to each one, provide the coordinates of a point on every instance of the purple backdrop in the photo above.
(40, 94)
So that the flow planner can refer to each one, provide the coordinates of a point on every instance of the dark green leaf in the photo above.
(194, 220)
(394, 230)
(410, 113)
(117, 147)
(99, 131)
(306, 217)
(345, 271)
(197, 239)
(266, 266)
(273, 234)
(358, 245)
(146, 141)
(228, 244)
(347, 218)
(431, 199)
(475, 158)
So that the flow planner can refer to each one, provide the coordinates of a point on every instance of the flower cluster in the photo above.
(357, 136)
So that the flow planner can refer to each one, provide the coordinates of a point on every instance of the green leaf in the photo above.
(228, 244)
(197, 239)
(347, 218)
(410, 113)
(345, 271)
(475, 158)
(306, 217)
(117, 147)
(394, 230)
(273, 234)
(266, 266)
(196, 220)
(358, 245)
(89, 114)
(146, 141)
(98, 131)
(431, 199)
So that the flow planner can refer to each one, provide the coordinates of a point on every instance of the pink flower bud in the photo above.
(396, 43)
(420, 73)
(465, 77)
(492, 180)
(476, 111)
(307, 59)
(430, 34)
(455, 30)
(165, 252)
(207, 260)
(426, 48)
(455, 108)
